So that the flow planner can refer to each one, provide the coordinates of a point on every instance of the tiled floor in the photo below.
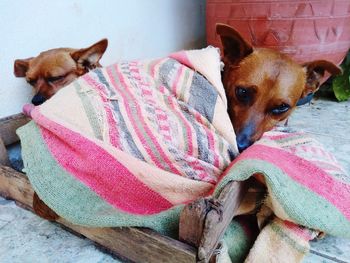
(25, 237)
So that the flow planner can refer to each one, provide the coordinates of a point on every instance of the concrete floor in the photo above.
(25, 237)
(329, 123)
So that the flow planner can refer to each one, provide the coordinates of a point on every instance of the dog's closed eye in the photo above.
(55, 79)
(280, 109)
(32, 81)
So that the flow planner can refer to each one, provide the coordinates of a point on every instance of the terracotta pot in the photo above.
(306, 30)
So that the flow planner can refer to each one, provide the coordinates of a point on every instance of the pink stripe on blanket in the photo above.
(211, 141)
(280, 136)
(200, 119)
(298, 230)
(153, 67)
(181, 56)
(177, 78)
(186, 123)
(303, 172)
(103, 174)
(112, 130)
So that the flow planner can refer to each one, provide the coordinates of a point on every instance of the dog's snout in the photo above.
(243, 142)
(38, 99)
(244, 137)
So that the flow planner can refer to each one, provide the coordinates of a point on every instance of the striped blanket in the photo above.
(308, 193)
(129, 144)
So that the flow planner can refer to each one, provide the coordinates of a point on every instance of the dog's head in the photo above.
(263, 86)
(53, 69)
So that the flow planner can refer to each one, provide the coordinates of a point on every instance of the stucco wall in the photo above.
(135, 29)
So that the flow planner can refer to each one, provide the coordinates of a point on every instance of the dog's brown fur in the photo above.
(263, 86)
(53, 69)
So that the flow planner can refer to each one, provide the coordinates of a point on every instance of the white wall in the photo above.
(135, 29)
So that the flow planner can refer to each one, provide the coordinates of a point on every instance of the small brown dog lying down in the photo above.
(53, 69)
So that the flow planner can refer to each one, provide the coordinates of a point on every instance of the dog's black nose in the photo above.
(38, 99)
(243, 142)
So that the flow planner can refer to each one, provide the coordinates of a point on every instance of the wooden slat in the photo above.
(219, 217)
(4, 159)
(16, 186)
(9, 125)
(210, 219)
(135, 244)
(192, 219)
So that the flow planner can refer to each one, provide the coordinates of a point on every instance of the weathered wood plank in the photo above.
(4, 160)
(42, 210)
(192, 219)
(15, 185)
(223, 210)
(135, 244)
(203, 222)
(9, 125)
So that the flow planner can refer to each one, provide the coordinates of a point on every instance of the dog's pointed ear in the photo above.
(21, 67)
(88, 58)
(234, 45)
(315, 71)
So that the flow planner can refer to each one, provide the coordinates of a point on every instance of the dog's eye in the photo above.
(54, 79)
(243, 94)
(31, 81)
(280, 109)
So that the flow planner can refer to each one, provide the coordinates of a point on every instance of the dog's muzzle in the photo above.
(38, 99)
(243, 142)
(244, 137)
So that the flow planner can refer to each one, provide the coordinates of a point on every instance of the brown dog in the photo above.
(263, 86)
(56, 68)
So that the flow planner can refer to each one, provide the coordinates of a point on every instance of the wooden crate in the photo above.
(202, 223)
